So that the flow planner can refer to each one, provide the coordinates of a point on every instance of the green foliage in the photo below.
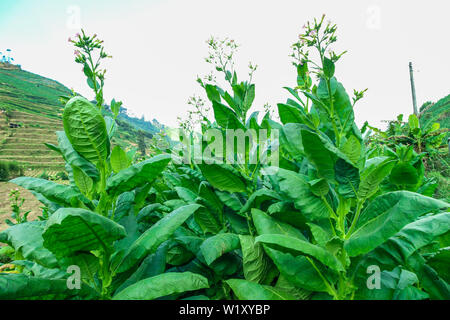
(311, 227)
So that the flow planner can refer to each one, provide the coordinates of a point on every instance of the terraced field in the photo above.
(25, 145)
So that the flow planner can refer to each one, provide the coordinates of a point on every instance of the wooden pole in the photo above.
(413, 89)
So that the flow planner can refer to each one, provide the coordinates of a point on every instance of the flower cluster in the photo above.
(89, 52)
(317, 34)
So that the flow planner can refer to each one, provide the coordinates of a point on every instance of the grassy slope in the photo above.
(437, 112)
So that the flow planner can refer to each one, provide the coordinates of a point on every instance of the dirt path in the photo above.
(31, 203)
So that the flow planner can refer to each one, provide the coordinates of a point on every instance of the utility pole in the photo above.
(413, 89)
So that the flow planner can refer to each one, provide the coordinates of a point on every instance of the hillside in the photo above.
(30, 113)
(436, 112)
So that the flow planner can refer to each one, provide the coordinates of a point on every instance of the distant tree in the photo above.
(141, 142)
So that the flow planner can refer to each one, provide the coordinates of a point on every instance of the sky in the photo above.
(158, 48)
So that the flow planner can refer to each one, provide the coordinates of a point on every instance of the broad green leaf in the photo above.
(352, 148)
(258, 198)
(186, 194)
(385, 216)
(153, 265)
(290, 114)
(216, 246)
(212, 93)
(413, 122)
(296, 187)
(343, 109)
(73, 158)
(285, 285)
(82, 181)
(249, 98)
(61, 194)
(223, 177)
(298, 270)
(415, 235)
(225, 117)
(255, 262)
(119, 159)
(163, 285)
(372, 176)
(71, 230)
(86, 129)
(303, 247)
(207, 219)
(404, 174)
(265, 224)
(247, 290)
(150, 240)
(328, 68)
(348, 179)
(137, 175)
(22, 287)
(26, 238)
(316, 152)
(319, 187)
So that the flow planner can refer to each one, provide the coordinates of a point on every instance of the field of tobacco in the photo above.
(301, 207)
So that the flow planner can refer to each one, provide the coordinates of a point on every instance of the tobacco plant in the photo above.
(333, 220)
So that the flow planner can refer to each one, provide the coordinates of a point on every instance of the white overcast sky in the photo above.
(159, 47)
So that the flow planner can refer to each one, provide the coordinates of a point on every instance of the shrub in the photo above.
(61, 175)
(9, 170)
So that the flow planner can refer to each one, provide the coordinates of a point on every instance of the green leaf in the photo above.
(255, 262)
(71, 230)
(86, 129)
(82, 181)
(285, 285)
(119, 159)
(247, 290)
(290, 114)
(372, 176)
(304, 247)
(212, 93)
(404, 174)
(352, 148)
(413, 122)
(163, 285)
(137, 175)
(416, 235)
(73, 158)
(225, 117)
(296, 187)
(343, 109)
(153, 265)
(207, 220)
(150, 240)
(298, 270)
(385, 216)
(26, 239)
(348, 179)
(216, 246)
(319, 187)
(267, 225)
(316, 152)
(22, 287)
(258, 198)
(328, 68)
(223, 177)
(186, 194)
(61, 194)
(249, 98)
